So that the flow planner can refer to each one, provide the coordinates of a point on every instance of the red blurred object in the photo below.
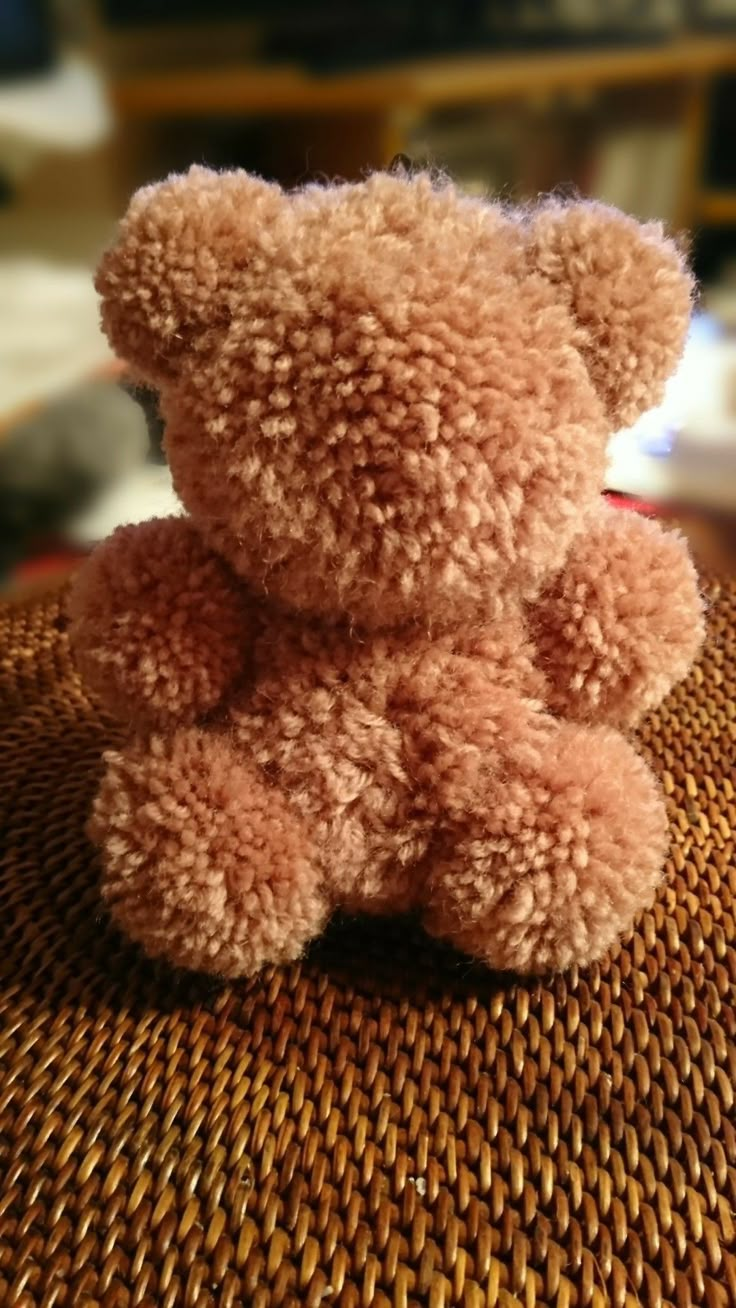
(45, 567)
(636, 505)
(56, 561)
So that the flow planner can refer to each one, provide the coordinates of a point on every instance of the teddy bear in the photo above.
(388, 658)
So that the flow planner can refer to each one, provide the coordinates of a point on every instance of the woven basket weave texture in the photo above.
(385, 1123)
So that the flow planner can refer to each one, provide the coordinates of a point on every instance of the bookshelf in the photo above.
(377, 107)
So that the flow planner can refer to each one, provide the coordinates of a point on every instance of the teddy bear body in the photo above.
(383, 661)
(346, 726)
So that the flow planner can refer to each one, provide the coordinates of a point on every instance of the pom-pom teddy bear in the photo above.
(385, 661)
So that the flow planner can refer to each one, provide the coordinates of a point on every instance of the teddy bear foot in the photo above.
(564, 861)
(205, 864)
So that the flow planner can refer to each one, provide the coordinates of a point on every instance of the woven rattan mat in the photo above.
(384, 1124)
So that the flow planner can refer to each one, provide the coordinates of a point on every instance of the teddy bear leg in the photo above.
(567, 852)
(204, 862)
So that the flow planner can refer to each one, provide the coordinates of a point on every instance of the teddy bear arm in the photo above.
(622, 622)
(159, 625)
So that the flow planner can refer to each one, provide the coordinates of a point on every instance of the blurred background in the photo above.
(631, 101)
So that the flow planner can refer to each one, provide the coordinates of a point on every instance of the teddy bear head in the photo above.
(388, 401)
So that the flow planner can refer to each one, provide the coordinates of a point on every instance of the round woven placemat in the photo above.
(384, 1124)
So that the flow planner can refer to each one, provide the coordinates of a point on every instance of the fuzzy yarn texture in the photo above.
(382, 662)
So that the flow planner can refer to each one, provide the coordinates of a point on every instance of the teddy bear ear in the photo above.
(178, 247)
(629, 291)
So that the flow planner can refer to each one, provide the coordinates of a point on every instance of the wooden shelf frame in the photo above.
(394, 96)
(418, 85)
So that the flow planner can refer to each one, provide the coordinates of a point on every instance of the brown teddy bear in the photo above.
(383, 662)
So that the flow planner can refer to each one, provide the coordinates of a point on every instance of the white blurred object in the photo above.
(637, 168)
(685, 450)
(145, 492)
(65, 109)
(50, 335)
